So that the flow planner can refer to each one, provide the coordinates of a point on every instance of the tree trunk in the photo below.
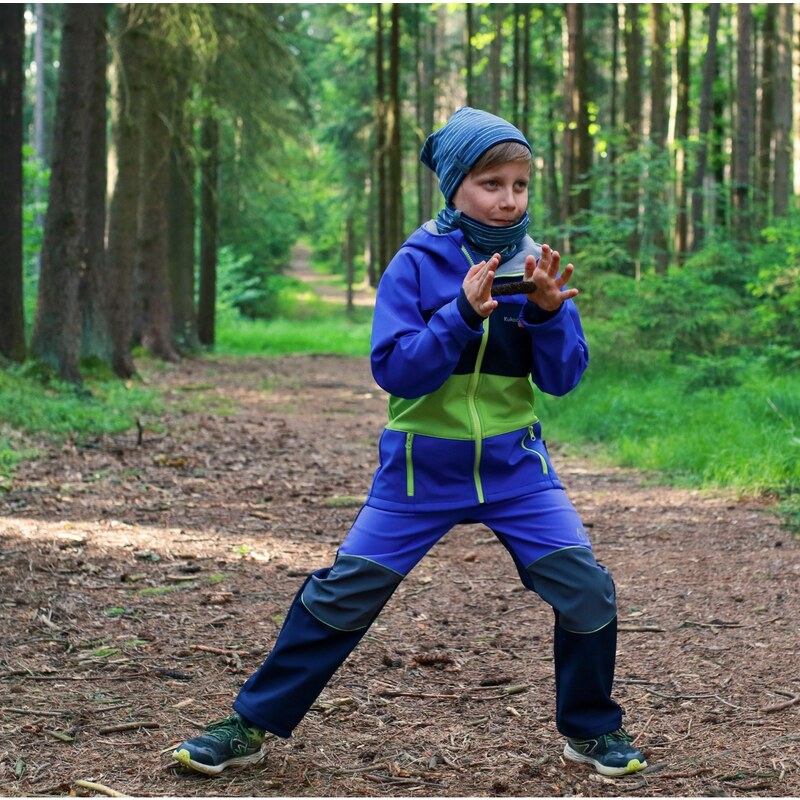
(766, 117)
(614, 101)
(425, 100)
(128, 84)
(181, 223)
(682, 135)
(370, 245)
(12, 81)
(152, 262)
(552, 190)
(658, 75)
(382, 250)
(469, 78)
(577, 143)
(633, 126)
(38, 106)
(394, 205)
(526, 71)
(742, 211)
(613, 112)
(209, 214)
(348, 256)
(584, 153)
(704, 125)
(517, 69)
(782, 113)
(94, 294)
(57, 325)
(658, 134)
(495, 66)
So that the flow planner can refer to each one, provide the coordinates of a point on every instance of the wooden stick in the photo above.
(780, 706)
(640, 629)
(34, 712)
(518, 287)
(99, 787)
(128, 726)
(420, 694)
(218, 650)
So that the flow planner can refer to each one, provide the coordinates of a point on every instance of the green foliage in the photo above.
(710, 422)
(334, 184)
(33, 402)
(243, 288)
(776, 288)
(688, 312)
(280, 315)
(36, 179)
(339, 335)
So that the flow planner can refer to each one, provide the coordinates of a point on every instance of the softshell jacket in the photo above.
(461, 426)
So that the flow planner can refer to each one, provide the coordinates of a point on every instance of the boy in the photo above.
(461, 444)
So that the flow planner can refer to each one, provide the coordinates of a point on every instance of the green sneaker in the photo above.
(611, 754)
(225, 743)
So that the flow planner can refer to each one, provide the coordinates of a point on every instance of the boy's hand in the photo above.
(477, 286)
(548, 294)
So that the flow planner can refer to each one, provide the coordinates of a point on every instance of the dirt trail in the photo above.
(144, 582)
(327, 286)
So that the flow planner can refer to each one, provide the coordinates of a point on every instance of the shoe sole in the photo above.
(634, 765)
(184, 757)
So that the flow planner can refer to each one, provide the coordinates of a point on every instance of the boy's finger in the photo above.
(530, 266)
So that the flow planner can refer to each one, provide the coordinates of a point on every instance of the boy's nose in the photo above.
(507, 198)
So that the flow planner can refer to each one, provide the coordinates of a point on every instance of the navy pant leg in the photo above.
(306, 654)
(584, 664)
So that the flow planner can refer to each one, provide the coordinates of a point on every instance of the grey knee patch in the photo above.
(577, 587)
(351, 594)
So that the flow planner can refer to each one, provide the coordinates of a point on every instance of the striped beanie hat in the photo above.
(452, 151)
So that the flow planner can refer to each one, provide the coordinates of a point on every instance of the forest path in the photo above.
(143, 581)
(331, 288)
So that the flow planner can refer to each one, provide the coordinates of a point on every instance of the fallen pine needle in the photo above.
(99, 787)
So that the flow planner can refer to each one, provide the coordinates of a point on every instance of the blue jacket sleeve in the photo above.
(411, 357)
(560, 351)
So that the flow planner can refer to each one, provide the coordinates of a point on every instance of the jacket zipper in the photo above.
(409, 465)
(531, 449)
(472, 390)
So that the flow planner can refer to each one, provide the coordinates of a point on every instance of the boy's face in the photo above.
(495, 196)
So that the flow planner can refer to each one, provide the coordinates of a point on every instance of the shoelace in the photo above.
(224, 728)
(617, 736)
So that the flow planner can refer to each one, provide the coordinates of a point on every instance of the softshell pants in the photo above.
(335, 606)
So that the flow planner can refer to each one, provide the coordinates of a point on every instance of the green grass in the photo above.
(32, 402)
(329, 335)
(35, 404)
(704, 425)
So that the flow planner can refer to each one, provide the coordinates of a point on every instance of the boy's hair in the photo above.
(500, 154)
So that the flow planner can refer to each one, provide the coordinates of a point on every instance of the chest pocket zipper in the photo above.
(532, 436)
(409, 465)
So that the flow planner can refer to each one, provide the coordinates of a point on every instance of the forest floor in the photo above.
(145, 575)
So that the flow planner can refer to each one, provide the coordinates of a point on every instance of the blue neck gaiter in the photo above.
(485, 240)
